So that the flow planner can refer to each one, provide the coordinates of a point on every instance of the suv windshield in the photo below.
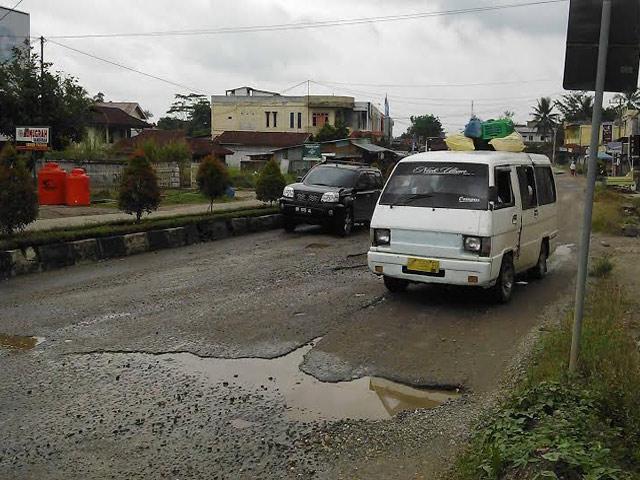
(331, 177)
(441, 185)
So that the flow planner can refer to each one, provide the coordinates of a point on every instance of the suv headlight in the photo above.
(330, 197)
(481, 245)
(287, 192)
(381, 236)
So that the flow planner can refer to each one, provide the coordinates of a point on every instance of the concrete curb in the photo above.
(63, 254)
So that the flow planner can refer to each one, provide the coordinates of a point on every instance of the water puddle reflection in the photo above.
(309, 399)
(19, 342)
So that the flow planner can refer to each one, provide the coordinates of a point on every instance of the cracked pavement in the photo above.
(106, 395)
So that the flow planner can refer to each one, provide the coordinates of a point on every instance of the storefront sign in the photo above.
(32, 138)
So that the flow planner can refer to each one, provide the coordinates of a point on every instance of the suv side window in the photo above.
(546, 185)
(365, 182)
(504, 191)
(528, 193)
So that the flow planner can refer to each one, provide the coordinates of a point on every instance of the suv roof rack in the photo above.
(346, 162)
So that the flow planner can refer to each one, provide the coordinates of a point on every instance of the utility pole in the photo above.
(471, 108)
(308, 112)
(41, 56)
(583, 259)
(553, 154)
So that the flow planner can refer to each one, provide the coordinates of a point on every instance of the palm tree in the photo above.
(544, 116)
(630, 100)
(575, 106)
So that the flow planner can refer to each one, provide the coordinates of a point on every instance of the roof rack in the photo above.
(346, 162)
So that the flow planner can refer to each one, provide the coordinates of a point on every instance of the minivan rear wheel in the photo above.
(540, 270)
(395, 285)
(503, 289)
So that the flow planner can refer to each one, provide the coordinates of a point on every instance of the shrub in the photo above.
(601, 267)
(139, 190)
(18, 198)
(212, 179)
(270, 182)
(240, 179)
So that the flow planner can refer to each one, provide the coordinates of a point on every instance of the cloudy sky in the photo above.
(424, 65)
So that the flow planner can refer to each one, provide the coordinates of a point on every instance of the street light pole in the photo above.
(596, 119)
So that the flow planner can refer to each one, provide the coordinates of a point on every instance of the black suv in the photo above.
(335, 194)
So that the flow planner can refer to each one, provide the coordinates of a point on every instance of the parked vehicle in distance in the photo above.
(465, 218)
(334, 194)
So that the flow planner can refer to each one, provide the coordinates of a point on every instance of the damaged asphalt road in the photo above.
(128, 382)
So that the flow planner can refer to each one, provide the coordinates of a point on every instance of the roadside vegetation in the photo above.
(270, 183)
(67, 234)
(212, 178)
(613, 210)
(562, 427)
(139, 190)
(18, 198)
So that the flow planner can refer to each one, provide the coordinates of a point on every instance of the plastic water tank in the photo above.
(51, 184)
(78, 191)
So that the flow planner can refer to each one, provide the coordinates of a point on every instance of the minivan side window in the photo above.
(504, 192)
(546, 185)
(528, 191)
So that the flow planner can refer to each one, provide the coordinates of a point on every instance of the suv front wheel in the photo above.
(344, 223)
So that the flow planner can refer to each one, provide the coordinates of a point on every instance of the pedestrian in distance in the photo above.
(572, 167)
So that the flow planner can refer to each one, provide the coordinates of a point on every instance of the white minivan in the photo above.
(465, 218)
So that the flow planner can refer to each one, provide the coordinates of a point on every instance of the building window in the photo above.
(319, 119)
(292, 119)
(275, 119)
(299, 120)
(268, 115)
(543, 138)
(531, 138)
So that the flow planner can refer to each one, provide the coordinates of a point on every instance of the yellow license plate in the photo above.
(423, 265)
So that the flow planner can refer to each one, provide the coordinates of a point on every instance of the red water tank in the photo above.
(77, 190)
(51, 184)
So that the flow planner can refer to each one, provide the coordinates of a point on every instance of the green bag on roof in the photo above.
(497, 128)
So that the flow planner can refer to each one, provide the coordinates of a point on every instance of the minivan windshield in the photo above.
(331, 177)
(438, 185)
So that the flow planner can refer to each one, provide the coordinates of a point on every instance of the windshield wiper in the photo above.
(410, 198)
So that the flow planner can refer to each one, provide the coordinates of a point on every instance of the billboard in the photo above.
(32, 138)
(14, 30)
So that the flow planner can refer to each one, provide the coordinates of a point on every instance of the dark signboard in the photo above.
(583, 35)
(607, 132)
(312, 151)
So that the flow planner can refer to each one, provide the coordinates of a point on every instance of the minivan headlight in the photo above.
(330, 197)
(481, 245)
(287, 192)
(381, 236)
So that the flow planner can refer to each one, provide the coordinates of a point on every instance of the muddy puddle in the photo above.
(18, 342)
(562, 254)
(309, 399)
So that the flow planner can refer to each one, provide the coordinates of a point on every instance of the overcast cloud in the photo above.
(523, 44)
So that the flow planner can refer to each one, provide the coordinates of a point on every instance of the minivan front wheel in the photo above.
(503, 289)
(395, 285)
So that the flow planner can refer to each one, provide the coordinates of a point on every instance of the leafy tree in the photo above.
(212, 178)
(575, 106)
(18, 198)
(148, 114)
(544, 116)
(630, 100)
(180, 153)
(191, 113)
(54, 100)
(508, 115)
(139, 190)
(425, 126)
(98, 97)
(330, 132)
(270, 182)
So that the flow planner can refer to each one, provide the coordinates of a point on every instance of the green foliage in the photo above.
(191, 113)
(544, 116)
(139, 190)
(330, 132)
(608, 211)
(581, 427)
(18, 198)
(54, 100)
(89, 149)
(601, 267)
(270, 182)
(242, 179)
(212, 178)
(425, 126)
(575, 106)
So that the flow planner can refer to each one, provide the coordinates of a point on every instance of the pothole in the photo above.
(19, 342)
(308, 399)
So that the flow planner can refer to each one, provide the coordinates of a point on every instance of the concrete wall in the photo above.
(107, 175)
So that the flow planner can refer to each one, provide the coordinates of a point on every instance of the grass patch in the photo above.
(34, 238)
(601, 267)
(556, 426)
(608, 211)
(188, 197)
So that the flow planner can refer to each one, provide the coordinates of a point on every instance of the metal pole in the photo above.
(591, 185)
(553, 154)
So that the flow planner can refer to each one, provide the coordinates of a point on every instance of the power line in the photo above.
(11, 10)
(306, 25)
(131, 69)
(443, 85)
